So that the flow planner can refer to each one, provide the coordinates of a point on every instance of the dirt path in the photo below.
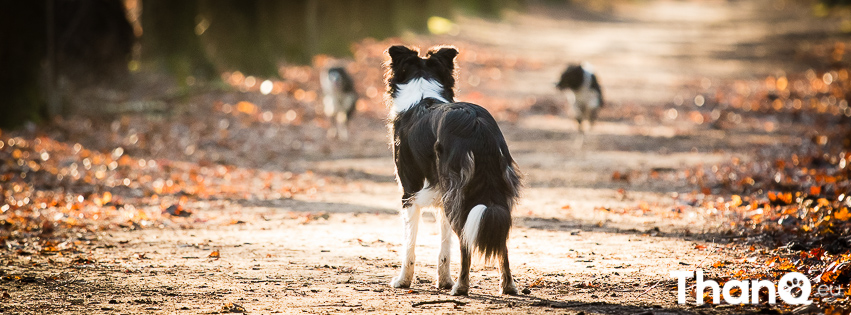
(336, 250)
(647, 52)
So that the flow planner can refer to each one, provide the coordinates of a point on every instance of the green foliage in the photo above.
(92, 40)
(169, 38)
(256, 36)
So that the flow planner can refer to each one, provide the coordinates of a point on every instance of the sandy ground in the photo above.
(335, 251)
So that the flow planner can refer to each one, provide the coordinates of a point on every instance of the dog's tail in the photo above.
(486, 230)
(479, 178)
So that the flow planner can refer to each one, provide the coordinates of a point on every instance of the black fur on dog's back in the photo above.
(449, 155)
(470, 165)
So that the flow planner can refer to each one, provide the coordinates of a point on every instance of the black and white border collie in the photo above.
(584, 96)
(339, 98)
(451, 156)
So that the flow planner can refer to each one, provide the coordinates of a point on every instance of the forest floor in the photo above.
(237, 202)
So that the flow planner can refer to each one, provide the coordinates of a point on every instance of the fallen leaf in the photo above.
(177, 210)
(842, 214)
(233, 308)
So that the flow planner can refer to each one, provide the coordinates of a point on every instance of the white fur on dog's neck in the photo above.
(587, 72)
(587, 67)
(411, 93)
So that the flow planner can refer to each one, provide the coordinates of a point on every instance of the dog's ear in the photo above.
(445, 55)
(398, 53)
(574, 77)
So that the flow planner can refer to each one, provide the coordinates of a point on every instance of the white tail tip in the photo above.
(471, 228)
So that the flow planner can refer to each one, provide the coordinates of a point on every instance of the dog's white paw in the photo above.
(400, 282)
(458, 289)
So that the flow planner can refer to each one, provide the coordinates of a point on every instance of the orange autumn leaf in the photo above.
(843, 214)
(735, 201)
(781, 264)
(246, 107)
(833, 271)
(817, 253)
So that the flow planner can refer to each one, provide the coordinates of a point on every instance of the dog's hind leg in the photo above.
(579, 141)
(593, 117)
(444, 279)
(411, 215)
(342, 126)
(462, 287)
(506, 282)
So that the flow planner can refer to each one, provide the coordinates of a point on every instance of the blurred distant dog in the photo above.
(339, 97)
(452, 156)
(585, 98)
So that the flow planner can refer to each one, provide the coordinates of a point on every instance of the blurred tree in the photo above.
(833, 3)
(170, 39)
(50, 48)
(93, 39)
(20, 61)
(241, 36)
(89, 41)
(254, 36)
(487, 8)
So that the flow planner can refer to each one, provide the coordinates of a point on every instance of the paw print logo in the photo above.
(793, 286)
